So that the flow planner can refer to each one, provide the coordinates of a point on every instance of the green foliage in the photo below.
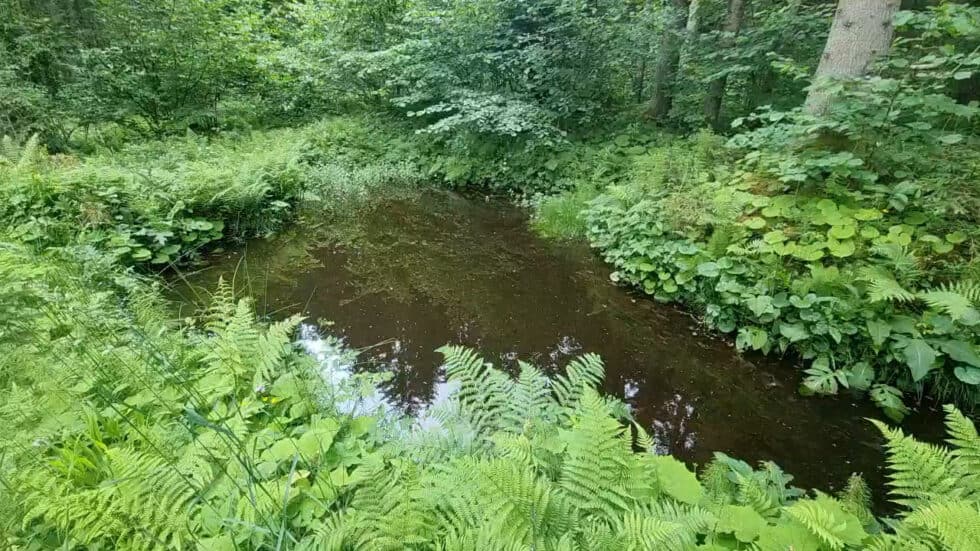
(848, 239)
(937, 486)
(169, 437)
(158, 202)
(223, 434)
(841, 238)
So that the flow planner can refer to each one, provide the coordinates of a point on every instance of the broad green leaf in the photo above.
(968, 375)
(920, 357)
(676, 480)
(840, 249)
(956, 237)
(318, 439)
(754, 338)
(961, 351)
(760, 305)
(870, 232)
(795, 332)
(787, 536)
(860, 376)
(810, 253)
(889, 399)
(282, 450)
(775, 236)
(904, 325)
(878, 331)
(842, 232)
(742, 521)
(709, 269)
(141, 255)
(866, 215)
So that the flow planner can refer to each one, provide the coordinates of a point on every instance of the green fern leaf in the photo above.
(920, 472)
(966, 448)
(953, 524)
(882, 286)
(826, 519)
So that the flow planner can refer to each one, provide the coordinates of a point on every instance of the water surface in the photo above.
(409, 276)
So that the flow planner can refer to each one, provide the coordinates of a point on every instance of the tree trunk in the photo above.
(693, 17)
(669, 58)
(716, 88)
(862, 31)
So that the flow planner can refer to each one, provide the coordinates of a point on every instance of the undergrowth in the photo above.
(847, 239)
(128, 431)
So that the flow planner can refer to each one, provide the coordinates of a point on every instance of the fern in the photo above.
(882, 286)
(952, 525)
(949, 302)
(530, 400)
(855, 498)
(596, 461)
(970, 290)
(585, 372)
(483, 391)
(966, 449)
(919, 472)
(826, 519)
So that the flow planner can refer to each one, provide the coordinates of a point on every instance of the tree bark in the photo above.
(693, 17)
(861, 32)
(669, 58)
(716, 88)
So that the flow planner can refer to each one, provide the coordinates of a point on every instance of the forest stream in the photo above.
(410, 275)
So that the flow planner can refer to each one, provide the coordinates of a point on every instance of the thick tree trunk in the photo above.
(862, 31)
(669, 54)
(716, 88)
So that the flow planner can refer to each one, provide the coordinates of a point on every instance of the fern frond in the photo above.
(953, 525)
(920, 472)
(531, 399)
(826, 519)
(755, 495)
(30, 154)
(597, 460)
(882, 286)
(642, 531)
(967, 289)
(855, 498)
(946, 301)
(483, 391)
(273, 345)
(581, 373)
(966, 448)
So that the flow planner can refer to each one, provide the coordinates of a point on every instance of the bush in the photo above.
(158, 202)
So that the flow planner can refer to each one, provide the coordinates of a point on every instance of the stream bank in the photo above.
(409, 275)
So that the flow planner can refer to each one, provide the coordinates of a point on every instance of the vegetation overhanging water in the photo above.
(407, 276)
(800, 175)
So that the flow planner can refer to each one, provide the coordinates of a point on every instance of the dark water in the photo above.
(413, 275)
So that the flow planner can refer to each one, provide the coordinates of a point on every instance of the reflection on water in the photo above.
(411, 276)
(671, 433)
(337, 368)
